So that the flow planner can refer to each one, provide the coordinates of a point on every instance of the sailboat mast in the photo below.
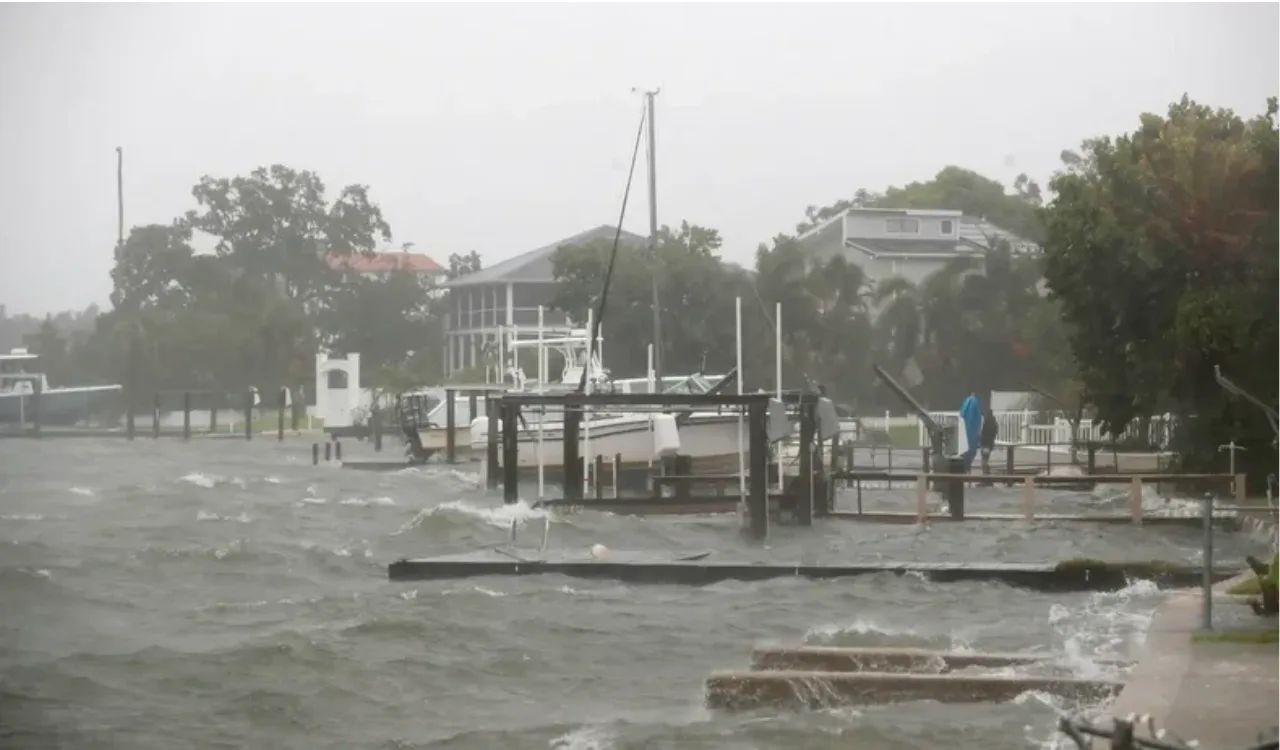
(653, 238)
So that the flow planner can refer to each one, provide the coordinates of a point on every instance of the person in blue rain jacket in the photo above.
(971, 423)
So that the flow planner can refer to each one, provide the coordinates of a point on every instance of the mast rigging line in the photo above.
(613, 255)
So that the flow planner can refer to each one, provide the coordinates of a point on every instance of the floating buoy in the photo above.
(599, 551)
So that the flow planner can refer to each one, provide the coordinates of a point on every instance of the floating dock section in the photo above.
(702, 568)
(863, 676)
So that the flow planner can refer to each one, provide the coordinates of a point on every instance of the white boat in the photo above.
(58, 406)
(710, 438)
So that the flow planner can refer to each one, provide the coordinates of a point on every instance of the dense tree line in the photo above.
(974, 324)
(1159, 264)
(1161, 250)
(253, 310)
(1159, 268)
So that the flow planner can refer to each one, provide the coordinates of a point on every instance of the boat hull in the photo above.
(709, 440)
(59, 407)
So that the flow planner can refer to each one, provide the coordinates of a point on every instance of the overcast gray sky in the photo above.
(501, 128)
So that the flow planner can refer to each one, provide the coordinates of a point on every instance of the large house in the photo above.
(911, 243)
(506, 296)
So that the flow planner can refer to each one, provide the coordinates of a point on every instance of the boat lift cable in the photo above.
(613, 256)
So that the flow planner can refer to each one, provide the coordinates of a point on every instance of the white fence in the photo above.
(1027, 427)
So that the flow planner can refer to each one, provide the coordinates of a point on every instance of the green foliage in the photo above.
(388, 318)
(1244, 637)
(1161, 250)
(276, 223)
(972, 322)
(697, 297)
(461, 265)
(253, 312)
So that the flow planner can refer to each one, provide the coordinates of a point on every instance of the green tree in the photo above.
(696, 291)
(277, 224)
(461, 265)
(826, 322)
(388, 318)
(1161, 249)
(149, 265)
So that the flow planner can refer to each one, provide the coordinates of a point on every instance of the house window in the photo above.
(947, 226)
(902, 226)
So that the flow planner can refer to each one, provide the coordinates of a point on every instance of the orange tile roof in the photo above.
(380, 262)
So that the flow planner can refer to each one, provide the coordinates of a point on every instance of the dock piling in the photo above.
(37, 395)
(758, 469)
(283, 402)
(510, 454)
(451, 424)
(492, 472)
(804, 483)
(248, 415)
(572, 461)
(186, 415)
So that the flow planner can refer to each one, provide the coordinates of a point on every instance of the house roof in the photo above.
(983, 233)
(535, 266)
(380, 262)
(974, 234)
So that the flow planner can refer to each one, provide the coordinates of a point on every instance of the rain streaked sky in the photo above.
(501, 128)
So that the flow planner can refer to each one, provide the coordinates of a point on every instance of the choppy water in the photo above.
(219, 594)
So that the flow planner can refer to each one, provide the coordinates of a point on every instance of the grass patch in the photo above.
(1248, 587)
(1270, 635)
(904, 436)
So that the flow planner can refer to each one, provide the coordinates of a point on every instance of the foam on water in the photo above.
(361, 502)
(242, 604)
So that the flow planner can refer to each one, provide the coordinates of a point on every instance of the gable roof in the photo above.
(535, 266)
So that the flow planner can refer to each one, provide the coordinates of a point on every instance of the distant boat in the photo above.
(58, 406)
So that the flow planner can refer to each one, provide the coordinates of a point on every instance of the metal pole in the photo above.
(777, 373)
(1231, 449)
(742, 461)
(542, 417)
(653, 235)
(1207, 562)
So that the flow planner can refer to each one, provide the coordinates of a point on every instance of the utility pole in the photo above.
(119, 197)
(653, 238)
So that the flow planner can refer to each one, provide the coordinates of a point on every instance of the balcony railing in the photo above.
(489, 319)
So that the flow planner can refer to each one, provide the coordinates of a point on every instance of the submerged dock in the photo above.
(700, 568)
(809, 677)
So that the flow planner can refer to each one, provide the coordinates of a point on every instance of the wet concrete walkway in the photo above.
(1222, 694)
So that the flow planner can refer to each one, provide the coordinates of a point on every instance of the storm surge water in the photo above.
(223, 594)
